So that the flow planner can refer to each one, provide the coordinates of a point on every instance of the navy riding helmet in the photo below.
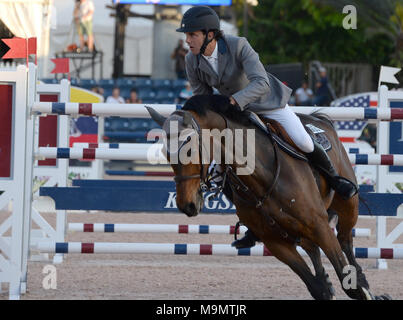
(199, 18)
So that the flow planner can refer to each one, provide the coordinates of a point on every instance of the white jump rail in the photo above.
(102, 109)
(376, 159)
(139, 110)
(141, 146)
(147, 145)
(153, 153)
(173, 228)
(193, 249)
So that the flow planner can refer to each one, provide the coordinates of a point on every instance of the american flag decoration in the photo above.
(349, 131)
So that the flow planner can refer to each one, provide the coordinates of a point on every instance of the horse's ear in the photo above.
(156, 116)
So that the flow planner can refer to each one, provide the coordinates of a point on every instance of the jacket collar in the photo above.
(223, 57)
(222, 60)
(222, 46)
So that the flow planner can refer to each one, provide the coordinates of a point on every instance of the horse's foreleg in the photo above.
(346, 242)
(313, 252)
(288, 254)
(347, 212)
(327, 241)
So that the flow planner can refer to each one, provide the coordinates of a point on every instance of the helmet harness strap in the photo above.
(206, 41)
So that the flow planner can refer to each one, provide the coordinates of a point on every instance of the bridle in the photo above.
(203, 175)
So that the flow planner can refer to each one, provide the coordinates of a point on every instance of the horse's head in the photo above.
(183, 148)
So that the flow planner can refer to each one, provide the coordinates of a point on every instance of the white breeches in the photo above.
(292, 124)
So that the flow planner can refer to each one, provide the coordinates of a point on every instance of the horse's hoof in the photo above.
(330, 292)
(330, 287)
(383, 297)
(368, 295)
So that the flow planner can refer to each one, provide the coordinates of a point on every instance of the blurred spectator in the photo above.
(303, 95)
(133, 97)
(83, 13)
(179, 56)
(98, 90)
(322, 91)
(291, 102)
(369, 134)
(101, 91)
(185, 93)
(115, 97)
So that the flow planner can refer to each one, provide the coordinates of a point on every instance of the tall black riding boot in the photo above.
(248, 240)
(321, 161)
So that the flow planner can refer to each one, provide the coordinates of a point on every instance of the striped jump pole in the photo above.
(192, 249)
(174, 228)
(377, 159)
(140, 173)
(360, 150)
(155, 228)
(102, 109)
(152, 154)
(147, 145)
(348, 113)
(139, 111)
(141, 146)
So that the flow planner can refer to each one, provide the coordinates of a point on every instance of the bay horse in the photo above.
(284, 201)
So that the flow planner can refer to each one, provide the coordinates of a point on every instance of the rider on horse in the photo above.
(229, 64)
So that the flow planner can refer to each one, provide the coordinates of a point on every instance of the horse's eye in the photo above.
(189, 153)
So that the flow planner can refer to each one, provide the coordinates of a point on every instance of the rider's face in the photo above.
(195, 41)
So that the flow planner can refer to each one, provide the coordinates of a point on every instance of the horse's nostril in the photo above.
(190, 209)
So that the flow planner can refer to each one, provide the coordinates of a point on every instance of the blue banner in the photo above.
(160, 196)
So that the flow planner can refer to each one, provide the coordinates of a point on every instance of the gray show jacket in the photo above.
(240, 75)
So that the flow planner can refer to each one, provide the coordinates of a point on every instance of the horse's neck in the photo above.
(257, 149)
(259, 152)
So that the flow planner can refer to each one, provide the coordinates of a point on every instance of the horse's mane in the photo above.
(200, 104)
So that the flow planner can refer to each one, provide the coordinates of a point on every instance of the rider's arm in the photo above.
(197, 85)
(255, 72)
